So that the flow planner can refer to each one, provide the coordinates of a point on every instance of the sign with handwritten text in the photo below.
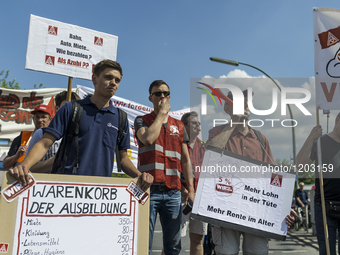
(65, 49)
(77, 217)
(240, 193)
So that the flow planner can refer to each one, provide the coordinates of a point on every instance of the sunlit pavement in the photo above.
(297, 242)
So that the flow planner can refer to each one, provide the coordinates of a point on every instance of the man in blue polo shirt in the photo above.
(97, 134)
(301, 196)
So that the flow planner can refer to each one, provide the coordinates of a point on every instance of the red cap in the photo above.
(42, 108)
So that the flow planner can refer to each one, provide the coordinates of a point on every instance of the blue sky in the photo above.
(173, 40)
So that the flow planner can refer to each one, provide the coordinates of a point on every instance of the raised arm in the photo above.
(148, 135)
(303, 157)
(222, 138)
(10, 161)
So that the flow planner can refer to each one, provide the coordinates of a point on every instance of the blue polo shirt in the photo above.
(97, 137)
(303, 195)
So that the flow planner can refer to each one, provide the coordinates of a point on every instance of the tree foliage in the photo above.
(38, 86)
(13, 84)
(7, 84)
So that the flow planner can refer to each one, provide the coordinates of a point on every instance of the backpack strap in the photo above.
(77, 113)
(203, 144)
(72, 131)
(260, 138)
(121, 133)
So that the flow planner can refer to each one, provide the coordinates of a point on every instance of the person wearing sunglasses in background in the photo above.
(163, 153)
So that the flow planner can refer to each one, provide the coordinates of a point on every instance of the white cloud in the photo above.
(237, 73)
(280, 137)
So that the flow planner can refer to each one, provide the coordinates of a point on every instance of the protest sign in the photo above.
(15, 112)
(65, 49)
(244, 194)
(64, 214)
(327, 58)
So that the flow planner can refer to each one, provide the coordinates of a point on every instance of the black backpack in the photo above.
(73, 132)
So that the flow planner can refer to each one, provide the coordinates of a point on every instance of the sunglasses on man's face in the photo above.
(159, 93)
(197, 123)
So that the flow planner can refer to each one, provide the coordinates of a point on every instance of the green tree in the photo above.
(7, 84)
(13, 84)
(38, 86)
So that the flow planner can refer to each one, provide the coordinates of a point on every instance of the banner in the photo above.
(327, 58)
(133, 110)
(244, 194)
(65, 49)
(15, 112)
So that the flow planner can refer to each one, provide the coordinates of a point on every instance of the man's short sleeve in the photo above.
(14, 146)
(59, 123)
(139, 122)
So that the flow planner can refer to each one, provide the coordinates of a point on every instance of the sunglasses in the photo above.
(159, 93)
(197, 123)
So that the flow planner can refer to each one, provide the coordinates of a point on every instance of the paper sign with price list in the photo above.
(74, 215)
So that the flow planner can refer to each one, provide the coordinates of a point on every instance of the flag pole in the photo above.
(322, 194)
(69, 89)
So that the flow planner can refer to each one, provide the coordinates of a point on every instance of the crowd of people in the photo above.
(168, 151)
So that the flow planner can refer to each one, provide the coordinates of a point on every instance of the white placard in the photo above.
(243, 194)
(327, 58)
(65, 49)
(76, 218)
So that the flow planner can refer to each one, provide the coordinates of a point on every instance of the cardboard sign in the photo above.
(63, 214)
(240, 193)
(65, 49)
